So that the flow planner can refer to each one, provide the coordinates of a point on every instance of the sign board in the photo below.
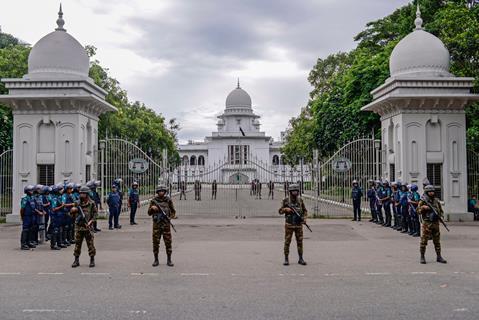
(138, 165)
(341, 165)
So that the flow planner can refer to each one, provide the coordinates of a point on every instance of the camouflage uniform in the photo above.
(430, 229)
(83, 231)
(293, 225)
(162, 227)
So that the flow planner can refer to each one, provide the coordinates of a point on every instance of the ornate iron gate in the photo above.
(358, 160)
(122, 159)
(472, 174)
(6, 182)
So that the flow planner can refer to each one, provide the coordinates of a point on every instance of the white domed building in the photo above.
(238, 146)
(423, 120)
(55, 112)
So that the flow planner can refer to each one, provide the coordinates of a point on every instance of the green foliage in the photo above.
(13, 64)
(342, 82)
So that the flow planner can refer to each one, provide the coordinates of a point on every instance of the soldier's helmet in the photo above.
(429, 188)
(84, 189)
(161, 187)
(29, 188)
(293, 187)
(414, 187)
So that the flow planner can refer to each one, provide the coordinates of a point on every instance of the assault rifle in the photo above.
(435, 214)
(300, 217)
(81, 218)
(162, 216)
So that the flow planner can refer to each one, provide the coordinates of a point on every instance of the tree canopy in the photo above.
(342, 82)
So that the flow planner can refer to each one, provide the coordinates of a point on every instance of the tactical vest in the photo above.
(293, 218)
(164, 204)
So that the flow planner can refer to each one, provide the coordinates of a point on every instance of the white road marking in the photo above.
(378, 273)
(144, 274)
(44, 310)
(9, 273)
(331, 274)
(95, 273)
(461, 310)
(195, 274)
(50, 273)
(424, 272)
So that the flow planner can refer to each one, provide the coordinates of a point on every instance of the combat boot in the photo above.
(439, 258)
(168, 261)
(65, 238)
(286, 261)
(76, 263)
(301, 261)
(24, 240)
(423, 258)
(53, 242)
(92, 262)
(156, 262)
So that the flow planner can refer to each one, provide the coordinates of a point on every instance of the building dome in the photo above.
(420, 54)
(58, 54)
(238, 98)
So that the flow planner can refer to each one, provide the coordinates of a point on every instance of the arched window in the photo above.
(275, 160)
(193, 161)
(184, 161)
(201, 161)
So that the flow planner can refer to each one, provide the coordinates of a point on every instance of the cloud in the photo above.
(182, 57)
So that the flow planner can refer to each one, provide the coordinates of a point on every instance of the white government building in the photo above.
(238, 146)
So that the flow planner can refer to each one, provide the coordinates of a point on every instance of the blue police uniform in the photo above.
(133, 200)
(404, 210)
(27, 206)
(381, 193)
(387, 205)
(356, 195)
(114, 204)
(67, 232)
(371, 194)
(414, 198)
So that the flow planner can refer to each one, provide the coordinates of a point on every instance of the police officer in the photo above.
(85, 216)
(356, 195)
(56, 216)
(95, 197)
(160, 206)
(214, 189)
(182, 190)
(371, 194)
(68, 201)
(428, 208)
(404, 203)
(39, 216)
(47, 208)
(27, 209)
(133, 201)
(118, 182)
(114, 204)
(380, 194)
(271, 190)
(387, 203)
(197, 188)
(414, 198)
(293, 223)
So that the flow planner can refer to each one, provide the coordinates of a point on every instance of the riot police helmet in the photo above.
(29, 188)
(414, 187)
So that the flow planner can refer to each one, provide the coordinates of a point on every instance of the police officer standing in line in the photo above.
(395, 203)
(386, 201)
(214, 189)
(356, 195)
(293, 222)
(133, 202)
(271, 190)
(380, 194)
(95, 197)
(68, 203)
(56, 218)
(414, 198)
(84, 223)
(162, 210)
(27, 209)
(118, 183)
(371, 194)
(404, 202)
(428, 208)
(114, 204)
(182, 190)
(47, 208)
(197, 187)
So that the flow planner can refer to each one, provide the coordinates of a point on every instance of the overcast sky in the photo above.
(182, 57)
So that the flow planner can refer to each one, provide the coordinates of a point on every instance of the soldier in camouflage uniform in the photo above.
(161, 226)
(84, 226)
(293, 223)
(430, 222)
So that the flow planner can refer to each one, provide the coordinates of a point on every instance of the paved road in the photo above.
(231, 269)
